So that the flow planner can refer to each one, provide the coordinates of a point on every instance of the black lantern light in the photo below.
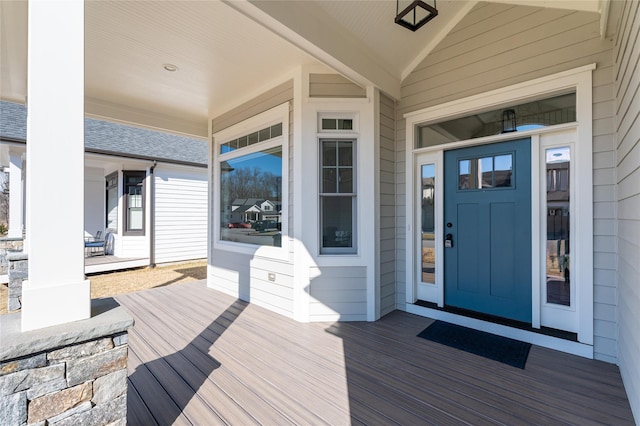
(509, 121)
(415, 14)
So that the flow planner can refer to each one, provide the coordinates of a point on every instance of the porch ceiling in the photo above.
(227, 51)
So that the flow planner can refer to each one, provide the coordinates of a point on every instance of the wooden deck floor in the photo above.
(200, 357)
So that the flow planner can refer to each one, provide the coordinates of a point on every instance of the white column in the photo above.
(56, 291)
(15, 194)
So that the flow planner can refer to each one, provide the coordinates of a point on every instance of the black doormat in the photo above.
(498, 348)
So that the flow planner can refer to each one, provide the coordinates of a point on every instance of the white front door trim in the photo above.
(578, 80)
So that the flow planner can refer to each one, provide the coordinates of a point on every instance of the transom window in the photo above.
(337, 124)
(252, 138)
(511, 118)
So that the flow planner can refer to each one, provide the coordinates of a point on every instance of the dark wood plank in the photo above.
(215, 359)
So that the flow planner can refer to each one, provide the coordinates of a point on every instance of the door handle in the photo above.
(448, 241)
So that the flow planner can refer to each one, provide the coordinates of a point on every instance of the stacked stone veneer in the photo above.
(8, 245)
(72, 374)
(18, 270)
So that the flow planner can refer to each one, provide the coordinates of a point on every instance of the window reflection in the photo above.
(558, 265)
(531, 115)
(250, 198)
(428, 224)
(485, 173)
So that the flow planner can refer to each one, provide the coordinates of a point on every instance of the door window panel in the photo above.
(485, 172)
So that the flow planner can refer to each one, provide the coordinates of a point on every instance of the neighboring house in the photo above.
(253, 209)
(484, 170)
(148, 188)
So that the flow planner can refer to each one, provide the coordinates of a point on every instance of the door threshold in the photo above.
(547, 331)
(512, 329)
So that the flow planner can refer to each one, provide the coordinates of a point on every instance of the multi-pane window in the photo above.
(488, 172)
(337, 196)
(133, 191)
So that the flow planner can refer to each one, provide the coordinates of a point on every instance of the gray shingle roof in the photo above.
(113, 138)
(13, 121)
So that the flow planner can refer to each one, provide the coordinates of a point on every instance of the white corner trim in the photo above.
(604, 7)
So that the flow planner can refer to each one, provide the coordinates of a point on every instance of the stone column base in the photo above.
(68, 374)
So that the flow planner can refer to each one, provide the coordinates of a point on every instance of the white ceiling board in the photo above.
(228, 51)
(221, 55)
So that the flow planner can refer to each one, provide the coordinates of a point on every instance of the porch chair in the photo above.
(94, 244)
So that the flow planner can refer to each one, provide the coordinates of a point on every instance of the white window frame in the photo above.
(279, 114)
(578, 79)
(332, 251)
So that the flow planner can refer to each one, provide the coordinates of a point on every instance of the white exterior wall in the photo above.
(242, 275)
(338, 293)
(627, 161)
(483, 53)
(308, 286)
(343, 287)
(94, 201)
(180, 213)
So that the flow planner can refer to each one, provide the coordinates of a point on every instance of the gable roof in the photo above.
(104, 137)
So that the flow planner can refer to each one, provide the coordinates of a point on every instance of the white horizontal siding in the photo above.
(242, 275)
(497, 45)
(387, 206)
(180, 213)
(247, 277)
(604, 256)
(333, 86)
(338, 293)
(627, 128)
(132, 246)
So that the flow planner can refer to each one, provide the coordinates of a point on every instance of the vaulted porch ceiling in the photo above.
(227, 51)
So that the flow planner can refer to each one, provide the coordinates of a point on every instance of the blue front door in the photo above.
(487, 216)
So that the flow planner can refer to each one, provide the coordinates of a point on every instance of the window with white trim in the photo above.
(133, 189)
(250, 187)
(337, 196)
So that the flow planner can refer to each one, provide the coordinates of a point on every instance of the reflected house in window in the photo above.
(558, 226)
(254, 209)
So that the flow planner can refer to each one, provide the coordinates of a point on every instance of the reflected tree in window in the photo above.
(250, 198)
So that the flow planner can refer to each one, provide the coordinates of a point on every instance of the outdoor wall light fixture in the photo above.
(509, 121)
(415, 14)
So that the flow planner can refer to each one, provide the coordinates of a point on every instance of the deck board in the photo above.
(198, 356)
